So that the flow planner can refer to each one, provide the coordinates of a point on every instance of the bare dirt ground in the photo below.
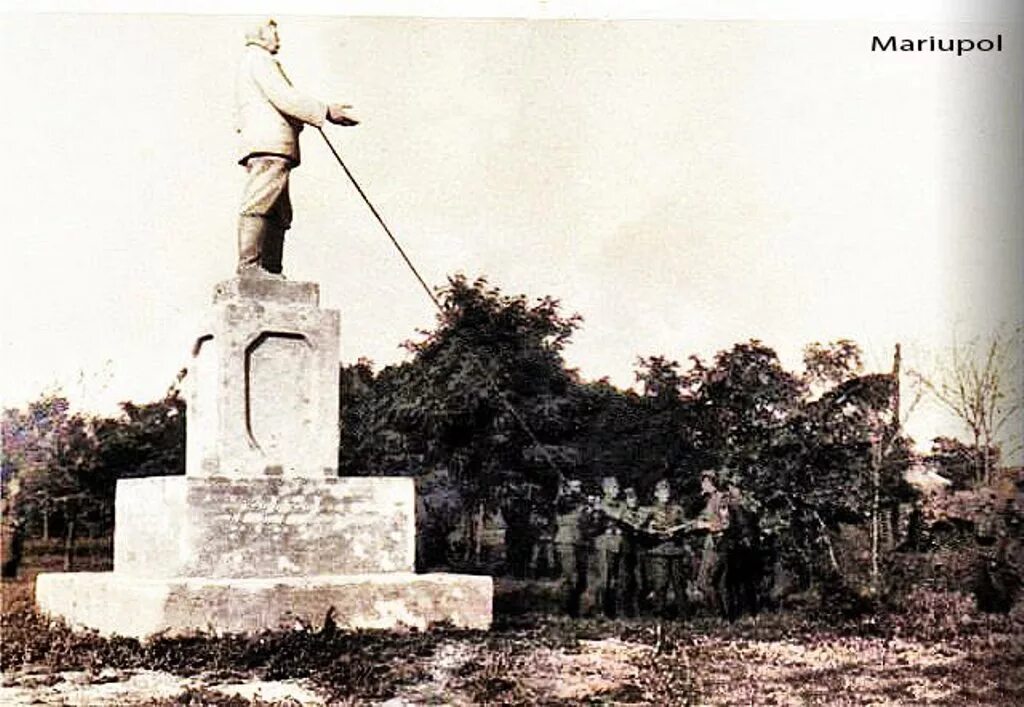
(942, 653)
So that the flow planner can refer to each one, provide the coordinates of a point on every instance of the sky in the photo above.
(683, 184)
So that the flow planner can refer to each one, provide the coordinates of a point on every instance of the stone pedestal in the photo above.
(263, 383)
(177, 526)
(142, 608)
(260, 532)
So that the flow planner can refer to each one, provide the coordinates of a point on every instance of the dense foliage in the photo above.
(463, 400)
(487, 397)
(60, 465)
(486, 413)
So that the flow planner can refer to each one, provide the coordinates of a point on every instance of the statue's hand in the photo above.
(336, 114)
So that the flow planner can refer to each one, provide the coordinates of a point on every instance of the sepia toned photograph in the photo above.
(535, 353)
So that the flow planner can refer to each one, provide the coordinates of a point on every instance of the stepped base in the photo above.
(179, 526)
(143, 608)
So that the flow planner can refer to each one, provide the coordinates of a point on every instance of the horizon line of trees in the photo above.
(486, 395)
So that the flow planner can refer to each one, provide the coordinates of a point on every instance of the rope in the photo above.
(373, 210)
(474, 358)
(516, 415)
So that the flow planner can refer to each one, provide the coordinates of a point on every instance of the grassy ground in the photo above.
(941, 652)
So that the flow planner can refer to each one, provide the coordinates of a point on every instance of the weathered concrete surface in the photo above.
(261, 530)
(179, 526)
(141, 608)
(267, 290)
(262, 386)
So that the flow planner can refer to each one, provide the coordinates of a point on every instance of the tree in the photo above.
(869, 411)
(740, 404)
(46, 447)
(980, 382)
(803, 464)
(663, 442)
(608, 432)
(66, 465)
(357, 390)
(146, 439)
(830, 364)
(486, 396)
(959, 462)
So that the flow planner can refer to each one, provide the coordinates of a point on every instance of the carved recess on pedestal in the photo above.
(280, 394)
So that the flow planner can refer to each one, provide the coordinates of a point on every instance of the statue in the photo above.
(271, 113)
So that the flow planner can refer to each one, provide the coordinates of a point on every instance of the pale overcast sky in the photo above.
(684, 185)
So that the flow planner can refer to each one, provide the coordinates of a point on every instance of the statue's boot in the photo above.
(273, 248)
(251, 237)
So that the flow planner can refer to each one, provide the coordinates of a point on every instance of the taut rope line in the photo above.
(476, 360)
(380, 220)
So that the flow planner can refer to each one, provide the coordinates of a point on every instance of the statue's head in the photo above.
(264, 34)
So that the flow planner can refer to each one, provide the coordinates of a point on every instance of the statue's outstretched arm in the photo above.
(285, 97)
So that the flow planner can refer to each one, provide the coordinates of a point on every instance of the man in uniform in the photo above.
(743, 556)
(669, 558)
(713, 520)
(542, 555)
(570, 547)
(12, 532)
(271, 113)
(630, 583)
(603, 569)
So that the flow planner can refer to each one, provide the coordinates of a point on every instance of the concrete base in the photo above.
(232, 528)
(143, 608)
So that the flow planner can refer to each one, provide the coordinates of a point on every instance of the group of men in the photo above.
(618, 557)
